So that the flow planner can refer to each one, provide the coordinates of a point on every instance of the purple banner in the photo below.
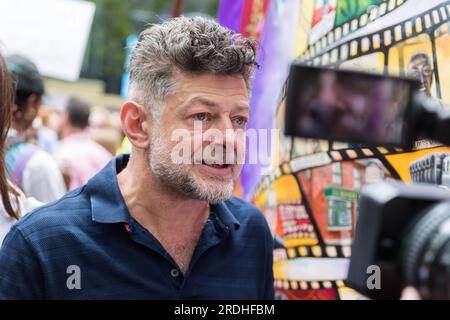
(230, 14)
(275, 54)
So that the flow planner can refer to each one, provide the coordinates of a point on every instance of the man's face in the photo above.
(420, 69)
(209, 114)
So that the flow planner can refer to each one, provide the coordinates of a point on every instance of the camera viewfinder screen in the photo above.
(346, 106)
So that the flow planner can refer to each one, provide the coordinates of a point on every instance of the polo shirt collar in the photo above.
(107, 203)
(226, 216)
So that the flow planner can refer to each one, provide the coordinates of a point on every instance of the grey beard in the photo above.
(182, 181)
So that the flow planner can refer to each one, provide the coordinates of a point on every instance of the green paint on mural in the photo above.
(347, 10)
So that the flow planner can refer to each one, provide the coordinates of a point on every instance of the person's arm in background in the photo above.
(21, 275)
(42, 178)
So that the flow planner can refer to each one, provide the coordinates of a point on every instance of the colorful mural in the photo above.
(310, 196)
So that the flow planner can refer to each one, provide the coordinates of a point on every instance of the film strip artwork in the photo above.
(349, 25)
(321, 224)
(362, 37)
(307, 285)
(319, 159)
(311, 197)
(313, 252)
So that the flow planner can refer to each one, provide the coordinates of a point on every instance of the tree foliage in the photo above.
(115, 20)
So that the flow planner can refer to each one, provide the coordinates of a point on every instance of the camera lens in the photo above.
(426, 253)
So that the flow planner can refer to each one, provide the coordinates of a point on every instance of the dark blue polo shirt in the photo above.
(87, 246)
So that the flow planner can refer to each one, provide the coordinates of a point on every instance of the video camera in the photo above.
(404, 230)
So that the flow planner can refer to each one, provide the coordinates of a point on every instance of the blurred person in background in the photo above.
(34, 170)
(105, 129)
(46, 137)
(108, 137)
(13, 203)
(78, 156)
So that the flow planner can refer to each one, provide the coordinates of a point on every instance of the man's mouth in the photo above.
(221, 169)
(216, 165)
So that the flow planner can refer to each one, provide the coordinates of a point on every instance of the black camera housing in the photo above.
(389, 212)
(304, 79)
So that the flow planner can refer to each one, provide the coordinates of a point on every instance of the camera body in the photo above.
(387, 238)
(402, 235)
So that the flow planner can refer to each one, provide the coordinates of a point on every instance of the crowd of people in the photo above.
(47, 151)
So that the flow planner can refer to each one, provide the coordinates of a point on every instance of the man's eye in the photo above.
(240, 121)
(201, 116)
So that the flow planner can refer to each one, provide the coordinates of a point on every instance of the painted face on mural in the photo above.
(219, 106)
(419, 67)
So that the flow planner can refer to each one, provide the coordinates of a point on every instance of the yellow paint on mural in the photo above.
(304, 27)
(261, 200)
(237, 191)
(297, 242)
(286, 189)
(443, 48)
(279, 269)
(400, 162)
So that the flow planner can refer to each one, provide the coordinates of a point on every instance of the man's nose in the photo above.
(225, 126)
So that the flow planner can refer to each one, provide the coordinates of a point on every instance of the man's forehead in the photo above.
(208, 90)
(223, 80)
(213, 101)
(213, 85)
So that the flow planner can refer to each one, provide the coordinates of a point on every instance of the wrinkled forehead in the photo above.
(221, 87)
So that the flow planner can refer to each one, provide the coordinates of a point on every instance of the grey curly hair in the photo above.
(194, 45)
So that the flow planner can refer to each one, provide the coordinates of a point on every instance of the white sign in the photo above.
(52, 33)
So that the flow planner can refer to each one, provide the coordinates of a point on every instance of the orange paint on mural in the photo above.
(401, 162)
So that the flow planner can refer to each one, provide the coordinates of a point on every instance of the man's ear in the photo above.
(136, 124)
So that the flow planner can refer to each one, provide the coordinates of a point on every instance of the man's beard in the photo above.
(182, 179)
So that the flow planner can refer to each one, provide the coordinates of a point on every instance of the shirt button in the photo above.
(174, 273)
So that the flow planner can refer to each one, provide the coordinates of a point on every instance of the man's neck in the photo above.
(155, 206)
(174, 220)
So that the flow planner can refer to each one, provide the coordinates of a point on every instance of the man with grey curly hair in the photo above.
(160, 223)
